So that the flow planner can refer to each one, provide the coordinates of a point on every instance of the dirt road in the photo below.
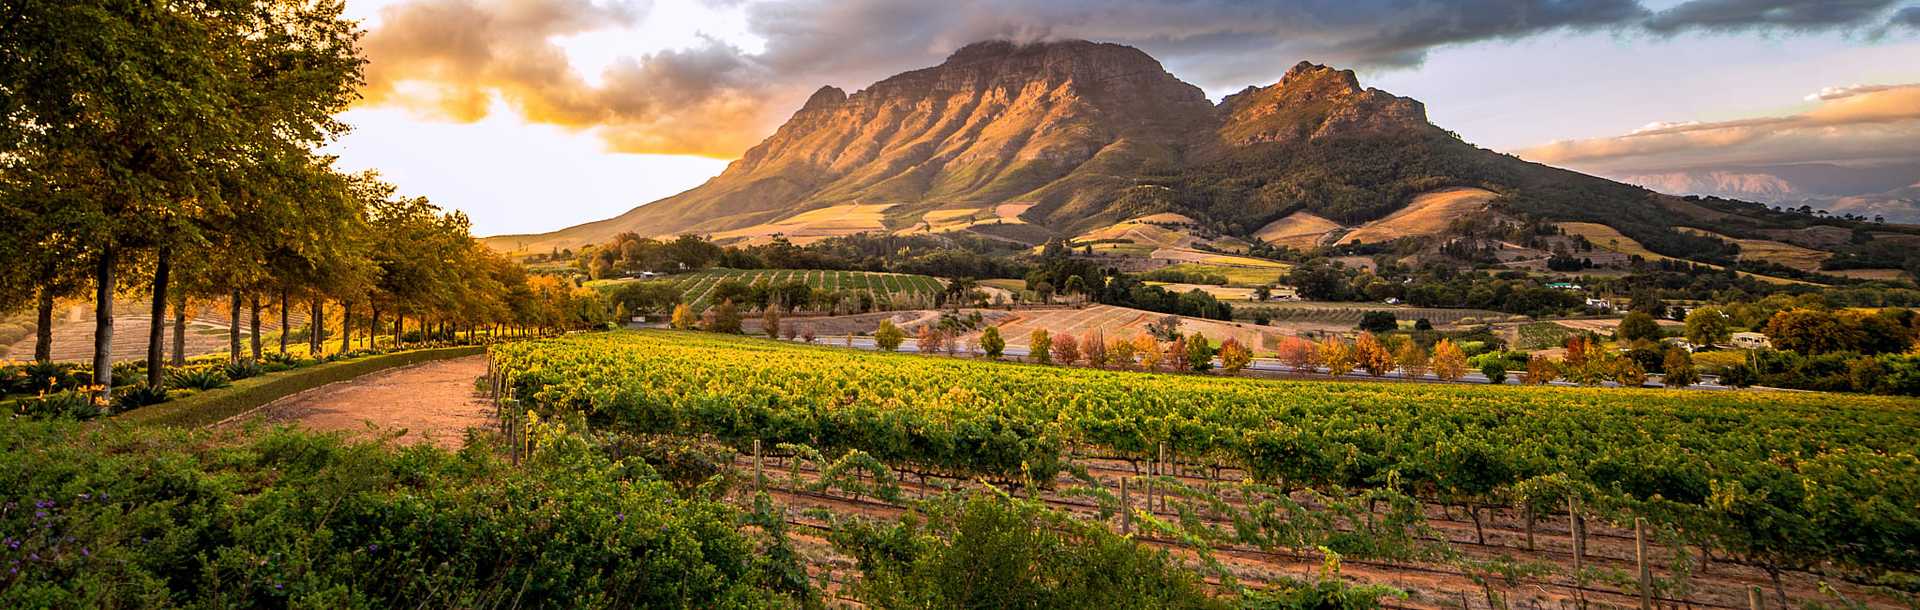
(433, 402)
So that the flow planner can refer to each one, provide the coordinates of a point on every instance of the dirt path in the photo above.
(432, 402)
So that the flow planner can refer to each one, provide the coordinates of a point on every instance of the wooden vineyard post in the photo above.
(1162, 496)
(1640, 558)
(1753, 599)
(1529, 527)
(759, 480)
(1579, 552)
(1126, 509)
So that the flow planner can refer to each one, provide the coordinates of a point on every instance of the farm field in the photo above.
(1236, 275)
(813, 225)
(1427, 214)
(1224, 293)
(1610, 239)
(1123, 322)
(1301, 231)
(697, 287)
(1465, 474)
(1769, 251)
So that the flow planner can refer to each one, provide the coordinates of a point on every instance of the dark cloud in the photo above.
(1909, 17)
(454, 58)
(1770, 14)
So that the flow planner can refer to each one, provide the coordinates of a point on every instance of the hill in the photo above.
(1074, 138)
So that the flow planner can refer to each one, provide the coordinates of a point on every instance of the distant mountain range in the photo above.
(1025, 142)
(1890, 191)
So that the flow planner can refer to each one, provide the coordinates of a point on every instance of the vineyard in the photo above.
(1799, 493)
(697, 288)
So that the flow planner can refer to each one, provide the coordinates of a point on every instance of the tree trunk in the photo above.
(253, 305)
(157, 323)
(373, 329)
(346, 326)
(233, 326)
(180, 331)
(43, 329)
(103, 324)
(283, 322)
(315, 326)
(399, 329)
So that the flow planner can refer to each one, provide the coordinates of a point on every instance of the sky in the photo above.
(534, 115)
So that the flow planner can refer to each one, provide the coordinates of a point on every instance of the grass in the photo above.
(1804, 259)
(1236, 276)
(1610, 239)
(211, 406)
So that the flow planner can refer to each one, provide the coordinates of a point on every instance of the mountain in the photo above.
(1023, 142)
(1761, 187)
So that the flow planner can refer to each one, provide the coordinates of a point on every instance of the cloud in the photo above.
(1769, 14)
(455, 58)
(1909, 17)
(1856, 123)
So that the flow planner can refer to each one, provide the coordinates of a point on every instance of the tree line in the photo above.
(170, 150)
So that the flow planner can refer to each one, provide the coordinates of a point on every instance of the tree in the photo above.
(1149, 350)
(1422, 324)
(1378, 322)
(1199, 357)
(1121, 353)
(726, 319)
(682, 317)
(1637, 326)
(1679, 366)
(1708, 326)
(1449, 363)
(1337, 356)
(1040, 346)
(1372, 355)
(1811, 331)
(992, 343)
(1541, 370)
(929, 340)
(1234, 357)
(1066, 349)
(1174, 358)
(1413, 360)
(888, 337)
(1094, 346)
(770, 322)
(1297, 354)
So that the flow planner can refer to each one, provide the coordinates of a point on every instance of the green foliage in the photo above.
(986, 550)
(242, 369)
(1199, 354)
(197, 378)
(70, 404)
(132, 397)
(1378, 322)
(1708, 326)
(992, 343)
(888, 336)
(1637, 326)
(138, 517)
(1495, 370)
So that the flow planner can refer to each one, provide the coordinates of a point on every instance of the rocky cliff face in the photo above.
(1067, 126)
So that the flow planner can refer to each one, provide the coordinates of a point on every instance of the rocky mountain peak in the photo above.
(826, 98)
(1313, 101)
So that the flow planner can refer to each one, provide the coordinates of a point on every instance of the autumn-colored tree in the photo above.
(1234, 357)
(1413, 360)
(1175, 356)
(1541, 370)
(1120, 353)
(1336, 355)
(888, 336)
(1372, 355)
(1297, 353)
(1094, 346)
(991, 343)
(682, 317)
(1449, 363)
(1040, 346)
(1149, 350)
(1811, 331)
(807, 333)
(726, 318)
(930, 340)
(1678, 367)
(1626, 372)
(1066, 349)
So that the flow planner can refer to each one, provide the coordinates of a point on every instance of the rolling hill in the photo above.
(1076, 138)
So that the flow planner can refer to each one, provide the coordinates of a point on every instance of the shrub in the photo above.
(197, 379)
(1495, 371)
(242, 369)
(136, 396)
(992, 343)
(75, 404)
(888, 336)
(1199, 353)
(1040, 346)
(1378, 321)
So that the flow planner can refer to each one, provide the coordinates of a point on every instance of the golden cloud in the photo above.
(452, 59)
(1855, 123)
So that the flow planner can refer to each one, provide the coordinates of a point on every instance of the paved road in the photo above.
(432, 402)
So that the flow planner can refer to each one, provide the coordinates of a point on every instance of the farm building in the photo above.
(1751, 340)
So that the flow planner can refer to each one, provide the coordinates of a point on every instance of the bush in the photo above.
(1378, 322)
(197, 379)
(43, 377)
(74, 404)
(133, 397)
(242, 369)
(1496, 372)
(888, 336)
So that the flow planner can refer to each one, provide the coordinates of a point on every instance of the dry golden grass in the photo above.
(1300, 230)
(1608, 238)
(1184, 255)
(1224, 293)
(1427, 214)
(957, 219)
(1768, 251)
(1885, 275)
(814, 225)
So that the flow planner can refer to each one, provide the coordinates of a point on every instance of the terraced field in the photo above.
(697, 288)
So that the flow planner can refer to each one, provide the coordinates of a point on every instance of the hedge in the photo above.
(212, 406)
